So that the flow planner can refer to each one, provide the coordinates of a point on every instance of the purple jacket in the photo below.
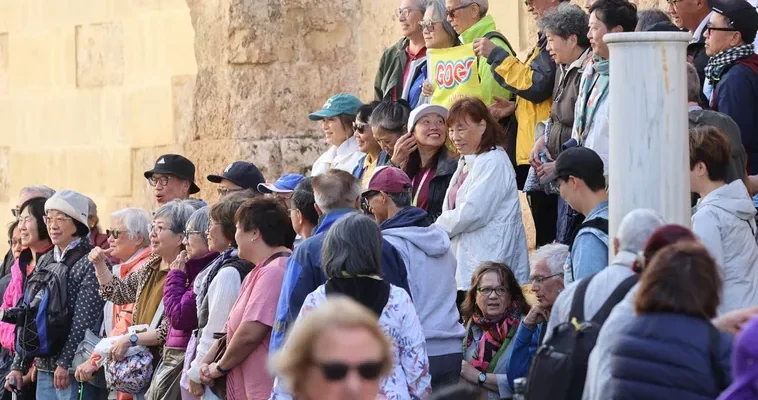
(179, 301)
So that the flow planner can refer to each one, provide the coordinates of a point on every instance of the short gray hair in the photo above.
(136, 221)
(335, 189)
(636, 228)
(439, 13)
(693, 84)
(566, 20)
(196, 203)
(554, 255)
(198, 221)
(38, 191)
(353, 246)
(390, 116)
(484, 6)
(648, 17)
(177, 212)
(402, 199)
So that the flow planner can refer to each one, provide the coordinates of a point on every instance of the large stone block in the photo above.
(148, 115)
(3, 63)
(5, 174)
(99, 54)
(212, 108)
(298, 155)
(183, 97)
(43, 58)
(30, 166)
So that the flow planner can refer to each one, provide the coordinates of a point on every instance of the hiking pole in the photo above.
(14, 390)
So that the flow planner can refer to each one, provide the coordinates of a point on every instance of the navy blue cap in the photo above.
(285, 184)
(241, 173)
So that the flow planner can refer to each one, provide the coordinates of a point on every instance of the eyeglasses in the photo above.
(487, 291)
(16, 212)
(158, 229)
(25, 219)
(673, 2)
(114, 233)
(337, 371)
(154, 181)
(359, 127)
(451, 12)
(402, 13)
(541, 279)
(55, 220)
(223, 191)
(188, 233)
(710, 28)
(428, 25)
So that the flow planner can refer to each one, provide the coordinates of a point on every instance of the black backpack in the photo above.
(560, 365)
(45, 316)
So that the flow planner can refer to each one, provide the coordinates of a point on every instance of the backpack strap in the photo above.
(75, 254)
(714, 339)
(616, 296)
(597, 223)
(498, 35)
(577, 303)
(157, 316)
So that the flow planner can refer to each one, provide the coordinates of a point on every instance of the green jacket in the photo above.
(489, 86)
(390, 72)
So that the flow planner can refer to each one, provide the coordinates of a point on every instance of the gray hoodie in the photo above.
(431, 276)
(725, 222)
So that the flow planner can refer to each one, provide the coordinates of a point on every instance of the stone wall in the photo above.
(92, 91)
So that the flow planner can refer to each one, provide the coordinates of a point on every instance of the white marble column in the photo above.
(649, 149)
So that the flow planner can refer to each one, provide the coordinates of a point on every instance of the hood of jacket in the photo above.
(479, 29)
(732, 198)
(432, 240)
(408, 216)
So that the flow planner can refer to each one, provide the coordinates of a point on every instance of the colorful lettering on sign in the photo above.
(450, 74)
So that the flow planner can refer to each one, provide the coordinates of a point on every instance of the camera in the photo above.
(12, 315)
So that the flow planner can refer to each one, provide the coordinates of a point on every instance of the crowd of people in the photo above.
(399, 269)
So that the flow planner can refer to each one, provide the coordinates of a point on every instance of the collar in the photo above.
(411, 57)
(694, 107)
(579, 62)
(58, 254)
(326, 220)
(698, 34)
(478, 30)
(624, 258)
(140, 253)
(368, 160)
(349, 146)
(600, 207)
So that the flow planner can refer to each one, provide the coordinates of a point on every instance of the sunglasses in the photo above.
(428, 25)
(710, 29)
(16, 212)
(114, 233)
(337, 371)
(451, 12)
(359, 127)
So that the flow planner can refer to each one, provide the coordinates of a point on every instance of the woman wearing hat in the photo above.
(66, 221)
(429, 164)
(337, 117)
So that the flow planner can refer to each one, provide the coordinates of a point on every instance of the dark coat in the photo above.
(667, 356)
(447, 163)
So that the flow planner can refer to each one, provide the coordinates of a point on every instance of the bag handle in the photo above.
(157, 316)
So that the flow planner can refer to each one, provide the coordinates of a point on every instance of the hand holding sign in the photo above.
(453, 72)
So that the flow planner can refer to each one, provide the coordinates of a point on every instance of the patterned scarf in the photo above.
(593, 88)
(497, 334)
(213, 269)
(720, 61)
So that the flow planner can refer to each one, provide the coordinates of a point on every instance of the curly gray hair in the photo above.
(566, 20)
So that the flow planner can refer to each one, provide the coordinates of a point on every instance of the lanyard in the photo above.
(420, 186)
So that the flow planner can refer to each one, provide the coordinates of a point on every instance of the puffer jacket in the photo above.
(485, 224)
(725, 222)
(532, 82)
(447, 162)
(179, 301)
(667, 356)
(565, 93)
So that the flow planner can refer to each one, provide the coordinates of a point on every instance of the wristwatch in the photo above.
(221, 370)
(133, 339)
(482, 378)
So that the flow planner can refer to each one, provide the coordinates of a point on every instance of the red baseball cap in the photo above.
(388, 180)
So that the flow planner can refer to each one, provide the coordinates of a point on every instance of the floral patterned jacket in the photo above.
(410, 378)
(128, 291)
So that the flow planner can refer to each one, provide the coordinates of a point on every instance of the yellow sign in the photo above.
(453, 72)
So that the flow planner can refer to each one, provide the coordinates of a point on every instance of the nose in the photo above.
(353, 384)
(324, 124)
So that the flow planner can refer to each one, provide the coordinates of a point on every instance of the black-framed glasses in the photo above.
(114, 233)
(428, 24)
(487, 291)
(673, 2)
(402, 13)
(337, 371)
(158, 229)
(162, 179)
(541, 279)
(451, 12)
(359, 127)
(16, 212)
(710, 29)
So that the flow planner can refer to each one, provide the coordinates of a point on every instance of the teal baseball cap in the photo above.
(338, 104)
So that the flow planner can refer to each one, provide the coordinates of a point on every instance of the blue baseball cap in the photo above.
(241, 173)
(285, 184)
(338, 104)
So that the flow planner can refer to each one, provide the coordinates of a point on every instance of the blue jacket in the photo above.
(667, 356)
(524, 348)
(590, 251)
(383, 159)
(304, 275)
(408, 216)
(736, 95)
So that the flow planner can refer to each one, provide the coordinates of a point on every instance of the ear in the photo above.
(318, 209)
(737, 39)
(573, 40)
(617, 29)
(474, 12)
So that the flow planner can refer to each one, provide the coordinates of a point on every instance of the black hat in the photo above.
(243, 174)
(741, 14)
(579, 162)
(179, 166)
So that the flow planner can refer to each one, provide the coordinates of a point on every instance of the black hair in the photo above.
(270, 218)
(82, 231)
(595, 182)
(304, 201)
(364, 111)
(615, 13)
(36, 207)
(392, 116)
(650, 17)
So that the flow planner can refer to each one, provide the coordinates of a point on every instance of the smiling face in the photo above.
(27, 228)
(335, 133)
(163, 241)
(364, 136)
(61, 228)
(123, 247)
(435, 36)
(686, 13)
(466, 135)
(410, 15)
(348, 346)
(595, 34)
(216, 239)
(493, 305)
(430, 131)
(386, 139)
(562, 50)
(246, 241)
(716, 40)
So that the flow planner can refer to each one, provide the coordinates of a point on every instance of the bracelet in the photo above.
(221, 370)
